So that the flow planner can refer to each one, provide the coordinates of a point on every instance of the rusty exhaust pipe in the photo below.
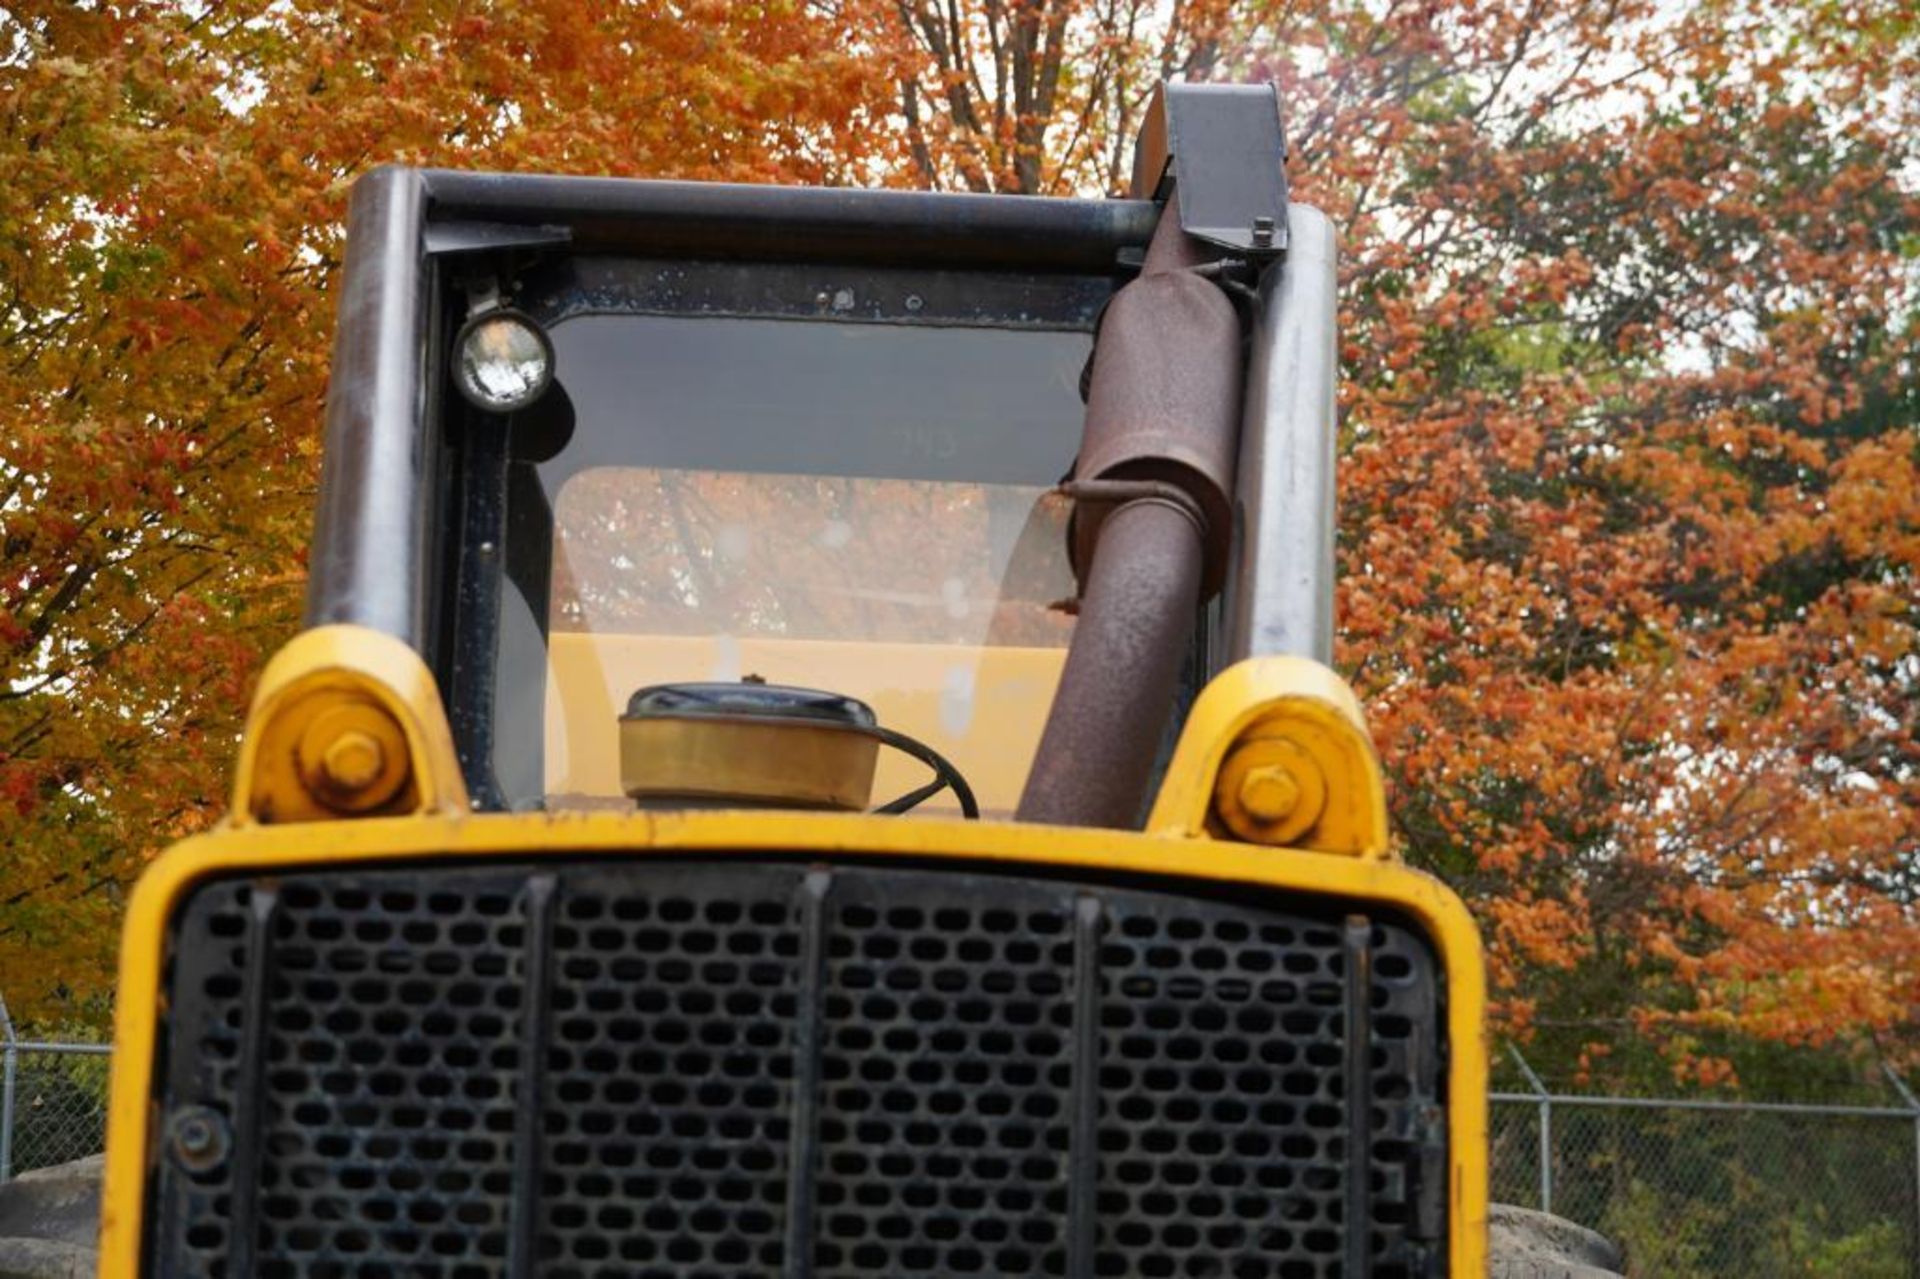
(1151, 529)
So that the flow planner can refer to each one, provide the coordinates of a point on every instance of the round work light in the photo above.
(502, 361)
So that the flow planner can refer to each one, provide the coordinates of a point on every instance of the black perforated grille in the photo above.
(669, 1084)
(766, 1069)
(946, 1077)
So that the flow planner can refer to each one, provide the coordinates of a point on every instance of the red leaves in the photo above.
(20, 783)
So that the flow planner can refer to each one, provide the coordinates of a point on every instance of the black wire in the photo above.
(913, 798)
(944, 775)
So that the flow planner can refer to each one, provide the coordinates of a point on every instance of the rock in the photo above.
(1523, 1244)
(48, 1221)
(45, 1259)
(61, 1203)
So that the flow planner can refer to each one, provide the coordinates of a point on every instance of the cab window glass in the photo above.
(861, 508)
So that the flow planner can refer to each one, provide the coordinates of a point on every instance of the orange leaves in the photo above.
(1629, 527)
(1542, 932)
(1631, 497)
(168, 237)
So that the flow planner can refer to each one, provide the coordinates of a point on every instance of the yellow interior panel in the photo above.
(981, 707)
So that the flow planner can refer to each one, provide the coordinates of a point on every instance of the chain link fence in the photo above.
(53, 1101)
(1694, 1189)
(1690, 1188)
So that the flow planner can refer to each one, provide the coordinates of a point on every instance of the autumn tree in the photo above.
(1630, 511)
(169, 232)
(1631, 503)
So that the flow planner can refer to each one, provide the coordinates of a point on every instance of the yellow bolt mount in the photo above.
(346, 722)
(1275, 752)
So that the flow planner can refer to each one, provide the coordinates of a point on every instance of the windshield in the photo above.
(861, 508)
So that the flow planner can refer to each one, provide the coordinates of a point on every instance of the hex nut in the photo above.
(1269, 793)
(354, 760)
(353, 757)
(199, 1138)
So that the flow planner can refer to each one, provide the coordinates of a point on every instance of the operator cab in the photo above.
(835, 441)
(592, 436)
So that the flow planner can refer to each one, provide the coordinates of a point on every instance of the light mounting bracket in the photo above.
(1225, 147)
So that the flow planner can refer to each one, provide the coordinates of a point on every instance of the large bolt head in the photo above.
(1269, 790)
(1269, 793)
(354, 760)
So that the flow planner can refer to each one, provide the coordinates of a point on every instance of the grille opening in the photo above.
(899, 1072)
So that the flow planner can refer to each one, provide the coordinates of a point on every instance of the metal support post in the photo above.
(8, 1074)
(1546, 1128)
(1280, 597)
(1913, 1104)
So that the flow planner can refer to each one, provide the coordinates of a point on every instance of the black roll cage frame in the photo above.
(382, 507)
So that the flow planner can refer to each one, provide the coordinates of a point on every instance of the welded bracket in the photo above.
(346, 722)
(1276, 751)
(1226, 148)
